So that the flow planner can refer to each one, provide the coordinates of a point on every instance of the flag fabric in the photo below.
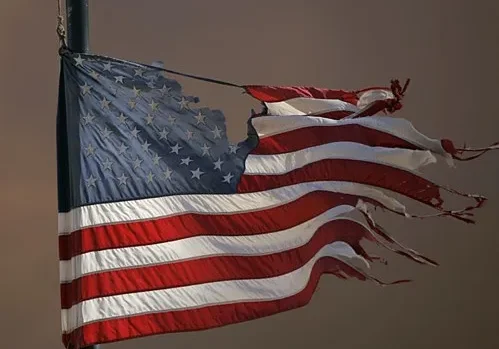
(166, 226)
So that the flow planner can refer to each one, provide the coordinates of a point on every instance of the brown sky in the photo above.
(450, 50)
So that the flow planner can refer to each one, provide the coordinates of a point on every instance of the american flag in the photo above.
(166, 226)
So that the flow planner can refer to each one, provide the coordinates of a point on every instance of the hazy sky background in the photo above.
(449, 49)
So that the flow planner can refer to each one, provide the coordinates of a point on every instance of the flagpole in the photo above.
(77, 29)
(77, 25)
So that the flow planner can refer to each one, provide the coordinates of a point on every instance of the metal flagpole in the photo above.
(77, 25)
(77, 34)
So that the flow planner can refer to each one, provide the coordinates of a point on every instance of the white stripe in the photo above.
(197, 247)
(267, 126)
(284, 163)
(202, 295)
(304, 106)
(307, 105)
(145, 209)
(371, 96)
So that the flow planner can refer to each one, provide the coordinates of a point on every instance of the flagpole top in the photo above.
(77, 25)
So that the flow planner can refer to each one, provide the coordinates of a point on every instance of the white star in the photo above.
(217, 133)
(107, 67)
(197, 173)
(186, 161)
(139, 72)
(149, 118)
(132, 104)
(104, 103)
(85, 89)
(136, 92)
(227, 178)
(200, 118)
(145, 146)
(154, 106)
(218, 164)
(150, 84)
(171, 119)
(155, 159)
(205, 149)
(91, 181)
(184, 103)
(90, 149)
(163, 134)
(150, 177)
(106, 133)
(165, 90)
(122, 118)
(79, 61)
(175, 149)
(167, 173)
(137, 163)
(122, 149)
(95, 75)
(189, 134)
(89, 119)
(122, 179)
(119, 79)
(135, 132)
(233, 148)
(107, 165)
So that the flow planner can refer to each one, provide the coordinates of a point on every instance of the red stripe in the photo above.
(212, 269)
(378, 175)
(203, 318)
(189, 225)
(317, 135)
(272, 94)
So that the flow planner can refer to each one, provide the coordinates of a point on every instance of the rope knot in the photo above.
(61, 31)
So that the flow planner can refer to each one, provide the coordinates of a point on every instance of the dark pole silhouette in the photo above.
(77, 28)
(77, 25)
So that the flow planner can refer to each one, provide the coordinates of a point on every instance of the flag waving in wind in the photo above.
(166, 226)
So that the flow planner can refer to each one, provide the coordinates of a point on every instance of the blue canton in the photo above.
(138, 136)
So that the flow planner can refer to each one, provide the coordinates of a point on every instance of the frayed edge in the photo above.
(376, 230)
(388, 106)
(457, 153)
